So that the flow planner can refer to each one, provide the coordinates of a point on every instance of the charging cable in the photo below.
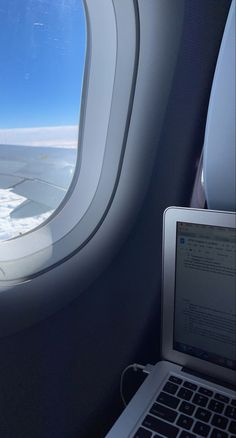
(146, 369)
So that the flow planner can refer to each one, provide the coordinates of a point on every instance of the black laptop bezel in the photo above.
(172, 216)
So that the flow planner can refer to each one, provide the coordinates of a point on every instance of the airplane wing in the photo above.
(42, 175)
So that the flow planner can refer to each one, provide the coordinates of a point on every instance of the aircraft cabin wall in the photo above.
(59, 378)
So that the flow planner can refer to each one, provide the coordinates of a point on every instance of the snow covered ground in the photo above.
(9, 227)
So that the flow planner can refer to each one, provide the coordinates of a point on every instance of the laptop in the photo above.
(191, 392)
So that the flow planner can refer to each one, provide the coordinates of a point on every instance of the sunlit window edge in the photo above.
(39, 244)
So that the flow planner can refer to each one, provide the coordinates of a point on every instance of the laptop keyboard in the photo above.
(186, 410)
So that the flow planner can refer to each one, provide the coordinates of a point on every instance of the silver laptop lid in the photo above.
(199, 291)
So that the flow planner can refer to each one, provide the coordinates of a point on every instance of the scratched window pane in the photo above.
(42, 46)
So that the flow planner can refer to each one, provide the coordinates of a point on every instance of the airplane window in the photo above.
(42, 46)
(42, 154)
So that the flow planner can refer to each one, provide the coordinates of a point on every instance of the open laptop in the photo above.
(191, 392)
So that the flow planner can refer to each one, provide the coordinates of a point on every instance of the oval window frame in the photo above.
(67, 229)
(31, 300)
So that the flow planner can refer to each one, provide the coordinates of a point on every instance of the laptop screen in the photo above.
(205, 293)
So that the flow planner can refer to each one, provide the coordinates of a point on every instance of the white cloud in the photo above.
(10, 227)
(54, 136)
(57, 136)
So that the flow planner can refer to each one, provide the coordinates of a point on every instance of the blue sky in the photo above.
(42, 46)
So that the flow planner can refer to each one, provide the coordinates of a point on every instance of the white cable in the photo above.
(135, 367)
